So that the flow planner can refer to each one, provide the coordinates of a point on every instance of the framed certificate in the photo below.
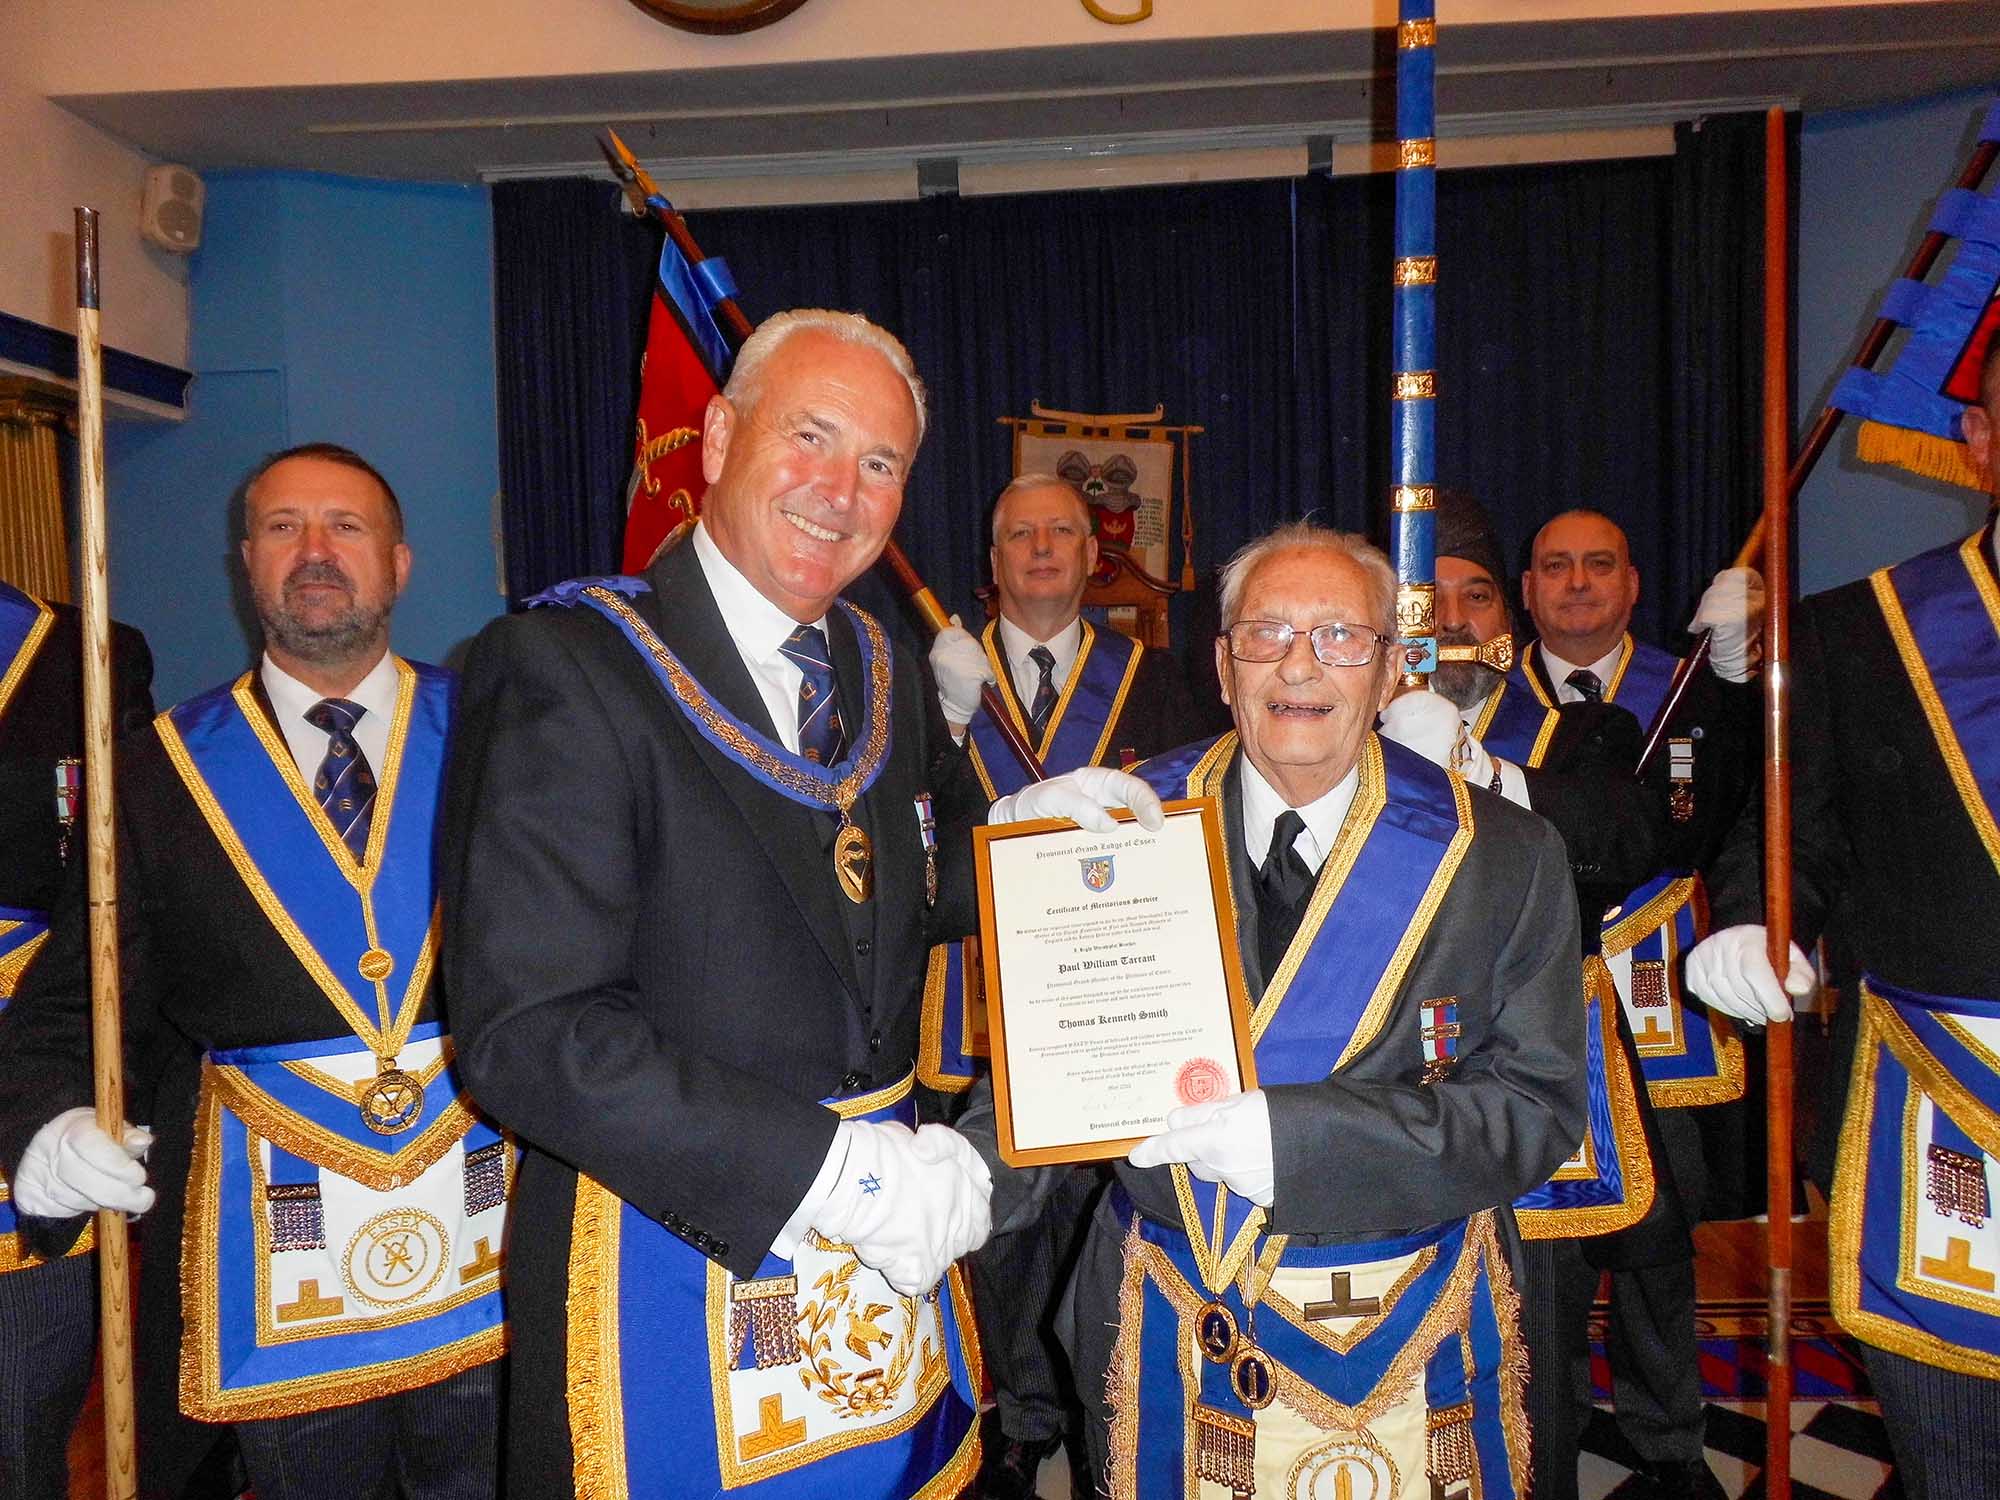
(1114, 992)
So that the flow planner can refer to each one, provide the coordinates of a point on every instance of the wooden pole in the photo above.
(121, 1478)
(641, 187)
(1778, 797)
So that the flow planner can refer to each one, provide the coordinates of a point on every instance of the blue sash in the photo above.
(22, 933)
(320, 1264)
(1608, 1183)
(1080, 725)
(770, 763)
(1431, 1383)
(1687, 1054)
(1912, 1244)
(953, 1045)
(1943, 611)
(812, 1379)
(331, 911)
(25, 623)
(1395, 857)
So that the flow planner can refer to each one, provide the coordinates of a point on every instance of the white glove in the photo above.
(910, 1203)
(1225, 1140)
(1429, 724)
(71, 1167)
(1082, 796)
(961, 667)
(1733, 607)
(1731, 972)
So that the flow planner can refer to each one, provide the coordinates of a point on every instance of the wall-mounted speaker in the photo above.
(170, 210)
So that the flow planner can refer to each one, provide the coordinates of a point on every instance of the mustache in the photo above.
(1457, 635)
(317, 572)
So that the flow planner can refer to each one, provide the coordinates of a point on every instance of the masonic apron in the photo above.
(346, 1208)
(1247, 1365)
(1079, 733)
(815, 1377)
(1913, 1246)
(1608, 1184)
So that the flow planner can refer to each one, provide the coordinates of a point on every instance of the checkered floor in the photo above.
(1839, 1452)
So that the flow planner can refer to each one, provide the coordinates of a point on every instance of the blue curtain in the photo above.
(1598, 326)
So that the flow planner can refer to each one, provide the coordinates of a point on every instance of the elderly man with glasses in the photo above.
(1308, 1288)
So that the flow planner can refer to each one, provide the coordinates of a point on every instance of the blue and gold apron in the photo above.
(1913, 1247)
(1079, 733)
(346, 1208)
(25, 623)
(1246, 1363)
(1608, 1184)
(813, 1378)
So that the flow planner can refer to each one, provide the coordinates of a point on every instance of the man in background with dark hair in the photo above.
(1895, 744)
(325, 1215)
(48, 1308)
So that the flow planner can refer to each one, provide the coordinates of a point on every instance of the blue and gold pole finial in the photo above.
(1413, 443)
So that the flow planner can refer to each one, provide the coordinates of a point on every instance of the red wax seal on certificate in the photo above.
(1200, 1080)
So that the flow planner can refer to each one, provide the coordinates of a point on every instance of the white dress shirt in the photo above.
(1015, 644)
(291, 699)
(1262, 807)
(759, 628)
(1604, 669)
(1513, 785)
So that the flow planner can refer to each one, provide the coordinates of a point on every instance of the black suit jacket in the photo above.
(43, 724)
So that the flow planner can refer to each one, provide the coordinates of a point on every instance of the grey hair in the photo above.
(850, 328)
(1035, 481)
(1306, 535)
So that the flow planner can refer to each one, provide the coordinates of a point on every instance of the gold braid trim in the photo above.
(930, 1027)
(1513, 1353)
(594, 1395)
(17, 669)
(1121, 1374)
(325, 1148)
(14, 966)
(820, 791)
(1631, 928)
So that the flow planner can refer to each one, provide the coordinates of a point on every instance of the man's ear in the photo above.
(718, 426)
(1978, 429)
(1222, 667)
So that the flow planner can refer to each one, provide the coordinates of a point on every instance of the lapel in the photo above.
(1535, 667)
(683, 610)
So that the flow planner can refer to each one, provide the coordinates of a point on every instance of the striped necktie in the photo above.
(822, 736)
(1045, 690)
(345, 784)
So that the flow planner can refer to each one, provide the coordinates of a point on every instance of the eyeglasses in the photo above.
(1336, 643)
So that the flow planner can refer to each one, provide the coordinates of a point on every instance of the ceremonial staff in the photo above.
(107, 1028)
(1778, 798)
(646, 195)
(1872, 345)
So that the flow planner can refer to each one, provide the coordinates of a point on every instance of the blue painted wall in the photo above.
(323, 308)
(1868, 181)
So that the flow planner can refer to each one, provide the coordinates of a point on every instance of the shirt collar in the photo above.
(1262, 806)
(756, 625)
(1605, 667)
(291, 699)
(1016, 643)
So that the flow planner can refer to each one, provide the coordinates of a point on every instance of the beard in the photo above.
(325, 638)
(1465, 683)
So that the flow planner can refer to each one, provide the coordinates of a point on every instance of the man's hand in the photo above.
(962, 668)
(910, 1203)
(1429, 724)
(1082, 796)
(71, 1167)
(1226, 1141)
(1732, 607)
(1730, 971)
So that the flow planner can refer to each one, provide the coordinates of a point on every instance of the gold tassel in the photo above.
(1449, 1454)
(1920, 452)
(1225, 1449)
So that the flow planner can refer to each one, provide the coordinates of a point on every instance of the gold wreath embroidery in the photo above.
(871, 1391)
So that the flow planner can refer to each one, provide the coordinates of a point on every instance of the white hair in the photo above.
(850, 328)
(1021, 483)
(1295, 535)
